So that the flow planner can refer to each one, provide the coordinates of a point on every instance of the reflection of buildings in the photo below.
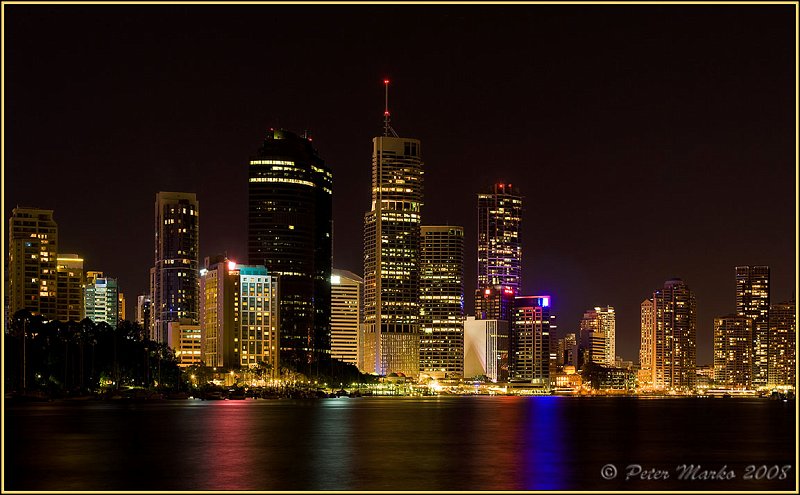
(289, 226)
(752, 301)
(69, 296)
(32, 263)
(598, 335)
(441, 347)
(174, 275)
(733, 351)
(101, 299)
(486, 349)
(345, 315)
(239, 315)
(782, 344)
(529, 350)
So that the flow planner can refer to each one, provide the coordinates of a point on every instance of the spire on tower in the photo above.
(387, 127)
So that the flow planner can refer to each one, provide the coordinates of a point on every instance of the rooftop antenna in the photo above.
(387, 127)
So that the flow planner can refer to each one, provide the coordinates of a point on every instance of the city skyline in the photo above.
(623, 259)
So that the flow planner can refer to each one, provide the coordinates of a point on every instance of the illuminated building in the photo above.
(101, 299)
(674, 337)
(598, 335)
(486, 349)
(529, 350)
(733, 351)
(752, 301)
(239, 316)
(568, 351)
(289, 226)
(69, 296)
(782, 344)
(646, 348)
(346, 288)
(499, 241)
(121, 306)
(143, 311)
(174, 276)
(32, 264)
(495, 303)
(184, 339)
(391, 256)
(441, 299)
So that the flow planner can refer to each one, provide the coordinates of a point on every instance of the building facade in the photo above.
(346, 293)
(101, 299)
(69, 296)
(752, 301)
(143, 304)
(674, 337)
(782, 344)
(529, 345)
(441, 353)
(646, 349)
(598, 335)
(32, 277)
(185, 340)
(495, 303)
(174, 275)
(392, 258)
(499, 240)
(733, 351)
(289, 229)
(486, 349)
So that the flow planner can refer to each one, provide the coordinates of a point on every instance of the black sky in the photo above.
(649, 141)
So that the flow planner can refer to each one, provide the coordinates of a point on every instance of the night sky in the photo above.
(649, 141)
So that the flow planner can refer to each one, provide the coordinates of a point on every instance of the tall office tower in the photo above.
(239, 315)
(752, 301)
(289, 226)
(782, 344)
(529, 352)
(143, 311)
(486, 349)
(495, 303)
(32, 265)
(674, 337)
(499, 241)
(568, 350)
(346, 289)
(174, 276)
(122, 306)
(441, 300)
(733, 351)
(598, 335)
(391, 256)
(69, 298)
(101, 299)
(646, 348)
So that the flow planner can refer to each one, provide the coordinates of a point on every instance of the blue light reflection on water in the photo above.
(546, 442)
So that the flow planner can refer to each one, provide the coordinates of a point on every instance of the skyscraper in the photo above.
(782, 344)
(391, 256)
(346, 289)
(598, 336)
(442, 301)
(101, 299)
(69, 298)
(674, 337)
(752, 301)
(646, 349)
(486, 348)
(32, 264)
(143, 304)
(529, 353)
(289, 226)
(495, 303)
(174, 276)
(499, 241)
(239, 315)
(733, 351)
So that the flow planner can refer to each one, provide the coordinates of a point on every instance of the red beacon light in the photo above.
(385, 81)
(487, 291)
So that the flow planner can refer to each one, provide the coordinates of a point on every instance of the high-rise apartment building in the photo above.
(674, 337)
(598, 335)
(567, 350)
(143, 304)
(752, 301)
(733, 351)
(174, 276)
(646, 348)
(529, 352)
(101, 299)
(392, 256)
(346, 290)
(239, 315)
(289, 228)
(486, 349)
(32, 262)
(442, 301)
(782, 344)
(499, 241)
(69, 296)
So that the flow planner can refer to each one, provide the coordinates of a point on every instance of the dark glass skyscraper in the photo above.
(289, 232)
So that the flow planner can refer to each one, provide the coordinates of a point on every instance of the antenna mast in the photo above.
(387, 127)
